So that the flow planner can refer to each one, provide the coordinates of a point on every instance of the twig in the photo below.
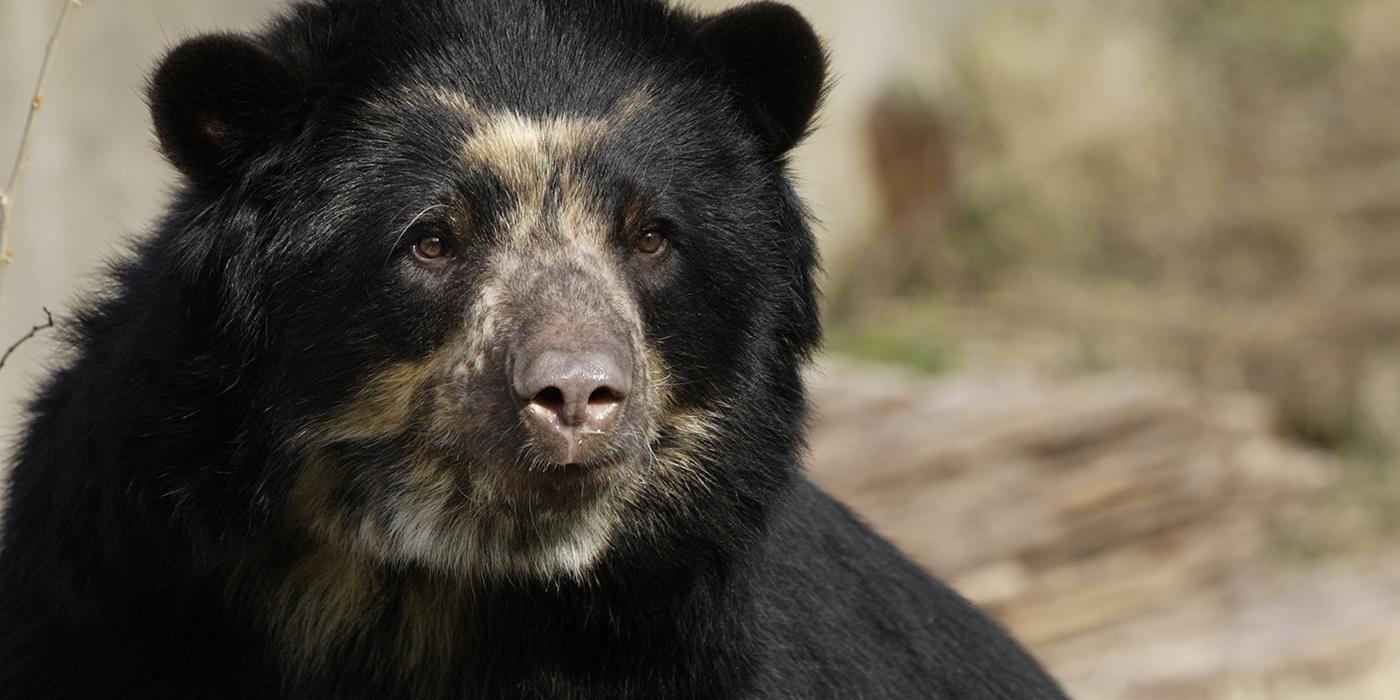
(7, 195)
(32, 332)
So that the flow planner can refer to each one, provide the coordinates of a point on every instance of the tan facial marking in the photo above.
(381, 408)
(525, 151)
(450, 99)
(678, 465)
(322, 600)
(327, 598)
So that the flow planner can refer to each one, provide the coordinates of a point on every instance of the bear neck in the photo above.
(434, 634)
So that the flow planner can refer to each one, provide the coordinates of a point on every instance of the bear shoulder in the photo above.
(844, 613)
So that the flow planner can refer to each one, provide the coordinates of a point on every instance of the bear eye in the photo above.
(432, 249)
(652, 243)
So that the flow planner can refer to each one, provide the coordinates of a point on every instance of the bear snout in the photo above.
(573, 368)
(573, 397)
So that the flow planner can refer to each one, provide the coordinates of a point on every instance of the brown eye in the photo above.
(432, 249)
(651, 244)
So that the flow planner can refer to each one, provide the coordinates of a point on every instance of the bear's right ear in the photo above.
(215, 100)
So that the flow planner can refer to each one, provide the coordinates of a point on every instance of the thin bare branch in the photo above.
(7, 195)
(32, 332)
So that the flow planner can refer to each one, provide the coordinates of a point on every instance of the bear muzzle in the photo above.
(573, 367)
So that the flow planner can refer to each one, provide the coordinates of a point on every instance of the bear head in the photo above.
(512, 284)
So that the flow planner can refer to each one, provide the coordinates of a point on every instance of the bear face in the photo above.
(501, 272)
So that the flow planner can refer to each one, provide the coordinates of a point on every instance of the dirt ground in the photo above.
(1124, 526)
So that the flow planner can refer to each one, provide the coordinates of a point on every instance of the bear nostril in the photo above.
(573, 400)
(550, 398)
(575, 406)
(603, 396)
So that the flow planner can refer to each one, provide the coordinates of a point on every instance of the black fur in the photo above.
(147, 515)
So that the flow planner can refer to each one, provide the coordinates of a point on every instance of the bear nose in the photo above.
(573, 398)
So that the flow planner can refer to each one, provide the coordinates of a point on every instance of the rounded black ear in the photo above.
(215, 100)
(774, 59)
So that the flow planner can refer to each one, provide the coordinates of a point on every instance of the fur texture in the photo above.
(284, 458)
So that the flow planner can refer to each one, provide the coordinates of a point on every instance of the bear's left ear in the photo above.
(775, 60)
(216, 100)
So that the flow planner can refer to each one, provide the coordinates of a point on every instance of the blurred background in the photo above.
(1113, 298)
